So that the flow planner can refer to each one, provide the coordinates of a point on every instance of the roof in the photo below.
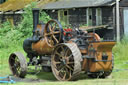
(63, 4)
(13, 5)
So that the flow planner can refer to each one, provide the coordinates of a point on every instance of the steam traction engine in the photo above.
(65, 52)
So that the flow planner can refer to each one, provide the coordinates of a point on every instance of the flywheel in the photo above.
(66, 61)
(18, 64)
(53, 33)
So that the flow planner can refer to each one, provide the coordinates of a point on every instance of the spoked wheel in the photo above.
(66, 62)
(18, 64)
(53, 32)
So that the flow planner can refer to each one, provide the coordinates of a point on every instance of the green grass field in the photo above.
(11, 39)
(119, 75)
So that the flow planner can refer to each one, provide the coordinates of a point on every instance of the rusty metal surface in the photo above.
(101, 47)
(18, 64)
(94, 37)
(76, 59)
(42, 47)
(48, 37)
(53, 28)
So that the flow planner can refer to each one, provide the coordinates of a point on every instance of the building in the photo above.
(11, 10)
(94, 15)
(100, 15)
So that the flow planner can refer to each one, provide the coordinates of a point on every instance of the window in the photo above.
(98, 16)
(63, 17)
(89, 16)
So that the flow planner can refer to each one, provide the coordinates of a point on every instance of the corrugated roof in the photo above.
(62, 4)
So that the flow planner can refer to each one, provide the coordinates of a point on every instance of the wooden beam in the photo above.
(89, 28)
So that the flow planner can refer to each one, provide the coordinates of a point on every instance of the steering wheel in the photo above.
(53, 32)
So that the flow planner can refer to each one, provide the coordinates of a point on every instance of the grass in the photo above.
(11, 41)
(118, 77)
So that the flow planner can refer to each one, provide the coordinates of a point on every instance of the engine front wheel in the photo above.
(18, 64)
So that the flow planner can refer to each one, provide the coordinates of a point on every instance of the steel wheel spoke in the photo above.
(54, 27)
(70, 75)
(58, 71)
(58, 54)
(47, 34)
(55, 38)
(58, 62)
(63, 49)
(51, 41)
(70, 56)
(67, 53)
(64, 76)
(56, 32)
(70, 63)
(60, 67)
(50, 27)
(69, 67)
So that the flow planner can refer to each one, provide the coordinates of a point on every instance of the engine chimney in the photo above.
(35, 18)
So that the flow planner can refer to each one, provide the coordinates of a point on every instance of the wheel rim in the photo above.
(53, 32)
(63, 63)
(18, 64)
(15, 65)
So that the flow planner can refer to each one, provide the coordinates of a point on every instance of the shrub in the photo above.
(12, 35)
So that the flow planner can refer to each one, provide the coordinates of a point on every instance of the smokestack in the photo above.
(35, 18)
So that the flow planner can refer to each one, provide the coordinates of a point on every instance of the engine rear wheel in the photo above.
(66, 62)
(18, 64)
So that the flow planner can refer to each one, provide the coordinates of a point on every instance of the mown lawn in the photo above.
(119, 75)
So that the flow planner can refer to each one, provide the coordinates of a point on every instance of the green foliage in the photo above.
(120, 50)
(13, 35)
(11, 39)
(4, 28)
(26, 25)
(44, 17)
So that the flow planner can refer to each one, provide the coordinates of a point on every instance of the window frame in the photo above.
(88, 14)
(62, 18)
(98, 16)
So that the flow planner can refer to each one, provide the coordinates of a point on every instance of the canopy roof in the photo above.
(63, 4)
